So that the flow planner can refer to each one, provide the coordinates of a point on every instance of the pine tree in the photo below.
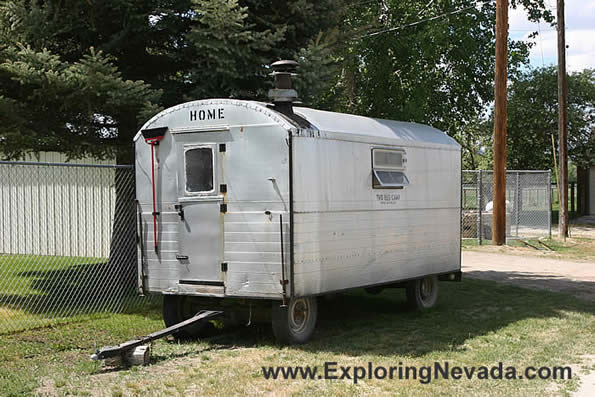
(81, 76)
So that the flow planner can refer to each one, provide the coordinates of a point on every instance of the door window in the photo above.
(199, 170)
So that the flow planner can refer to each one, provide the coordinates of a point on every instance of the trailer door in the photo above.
(200, 230)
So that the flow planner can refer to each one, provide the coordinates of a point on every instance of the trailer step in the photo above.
(120, 350)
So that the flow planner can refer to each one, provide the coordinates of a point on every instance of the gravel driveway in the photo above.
(577, 278)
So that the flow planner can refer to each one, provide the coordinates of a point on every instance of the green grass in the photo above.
(475, 323)
(37, 291)
(468, 243)
(23, 270)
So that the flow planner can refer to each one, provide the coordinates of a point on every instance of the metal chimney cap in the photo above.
(284, 65)
(283, 94)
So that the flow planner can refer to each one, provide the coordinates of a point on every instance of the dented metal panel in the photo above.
(250, 177)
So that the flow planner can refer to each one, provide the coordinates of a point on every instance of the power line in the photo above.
(532, 30)
(540, 44)
(425, 8)
(359, 3)
(419, 22)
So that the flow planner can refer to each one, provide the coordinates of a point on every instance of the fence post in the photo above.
(479, 207)
(549, 204)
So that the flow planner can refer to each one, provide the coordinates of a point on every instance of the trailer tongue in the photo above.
(122, 351)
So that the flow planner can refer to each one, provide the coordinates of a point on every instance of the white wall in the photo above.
(55, 210)
(56, 157)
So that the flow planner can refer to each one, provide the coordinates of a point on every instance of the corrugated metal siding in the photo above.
(53, 210)
(253, 251)
(255, 169)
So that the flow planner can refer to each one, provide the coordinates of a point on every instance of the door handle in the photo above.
(180, 210)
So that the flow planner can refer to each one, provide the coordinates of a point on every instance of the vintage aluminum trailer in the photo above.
(256, 201)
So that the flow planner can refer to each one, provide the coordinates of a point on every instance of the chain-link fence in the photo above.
(68, 235)
(528, 204)
(67, 242)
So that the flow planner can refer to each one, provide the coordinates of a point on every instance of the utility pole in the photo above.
(562, 125)
(499, 215)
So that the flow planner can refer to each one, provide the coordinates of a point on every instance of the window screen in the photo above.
(199, 170)
(388, 168)
(392, 159)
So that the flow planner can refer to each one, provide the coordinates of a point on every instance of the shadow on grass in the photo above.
(353, 324)
(358, 324)
(580, 288)
(69, 290)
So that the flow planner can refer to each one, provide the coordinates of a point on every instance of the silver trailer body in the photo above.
(251, 202)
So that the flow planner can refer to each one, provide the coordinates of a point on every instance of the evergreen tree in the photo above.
(81, 76)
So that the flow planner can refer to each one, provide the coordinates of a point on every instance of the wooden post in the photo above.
(562, 124)
(499, 215)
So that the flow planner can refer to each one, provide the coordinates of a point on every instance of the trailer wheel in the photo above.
(422, 293)
(177, 308)
(295, 323)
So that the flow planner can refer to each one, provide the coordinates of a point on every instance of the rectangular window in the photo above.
(389, 159)
(388, 169)
(199, 170)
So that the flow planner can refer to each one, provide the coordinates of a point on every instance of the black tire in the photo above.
(295, 323)
(422, 293)
(177, 308)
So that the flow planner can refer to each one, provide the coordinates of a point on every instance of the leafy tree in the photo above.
(533, 119)
(475, 138)
(313, 37)
(439, 71)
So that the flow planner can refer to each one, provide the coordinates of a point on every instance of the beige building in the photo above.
(56, 210)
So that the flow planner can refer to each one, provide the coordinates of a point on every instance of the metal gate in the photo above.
(528, 204)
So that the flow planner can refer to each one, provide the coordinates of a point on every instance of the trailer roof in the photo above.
(366, 126)
(348, 126)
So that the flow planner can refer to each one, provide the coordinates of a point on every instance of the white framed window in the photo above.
(199, 166)
(388, 168)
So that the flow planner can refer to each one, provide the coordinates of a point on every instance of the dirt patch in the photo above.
(585, 231)
(171, 376)
(586, 373)
(541, 272)
(47, 387)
